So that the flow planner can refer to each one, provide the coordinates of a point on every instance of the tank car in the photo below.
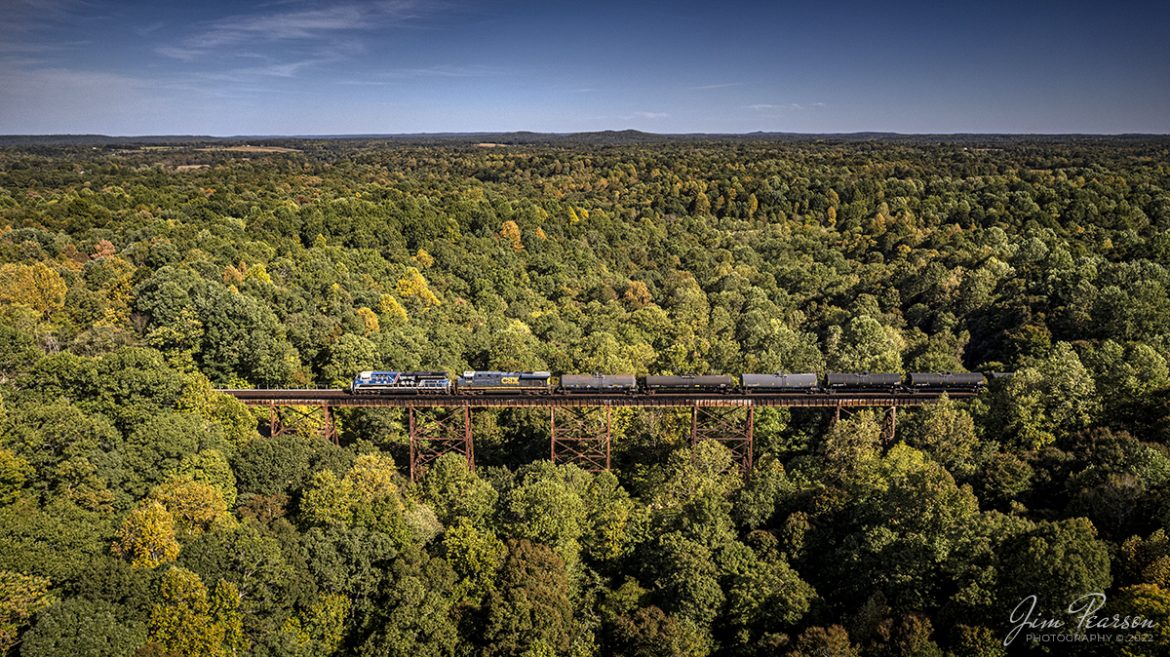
(779, 383)
(598, 383)
(863, 382)
(946, 381)
(690, 383)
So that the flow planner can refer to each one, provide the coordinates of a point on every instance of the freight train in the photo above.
(545, 383)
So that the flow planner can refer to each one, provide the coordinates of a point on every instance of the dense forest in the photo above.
(144, 514)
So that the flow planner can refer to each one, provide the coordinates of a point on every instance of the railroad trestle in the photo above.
(580, 426)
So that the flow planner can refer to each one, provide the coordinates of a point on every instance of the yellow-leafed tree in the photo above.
(414, 286)
(389, 308)
(511, 232)
(369, 320)
(21, 596)
(147, 536)
(194, 506)
(36, 286)
(189, 622)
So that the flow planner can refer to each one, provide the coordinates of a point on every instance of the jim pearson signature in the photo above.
(1083, 611)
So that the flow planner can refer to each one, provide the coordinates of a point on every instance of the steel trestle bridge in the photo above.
(579, 424)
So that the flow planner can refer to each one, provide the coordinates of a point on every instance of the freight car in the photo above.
(780, 383)
(400, 383)
(598, 383)
(946, 381)
(863, 382)
(690, 383)
(476, 382)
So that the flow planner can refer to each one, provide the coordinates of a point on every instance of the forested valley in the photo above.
(144, 514)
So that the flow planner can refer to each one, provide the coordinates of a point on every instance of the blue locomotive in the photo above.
(381, 383)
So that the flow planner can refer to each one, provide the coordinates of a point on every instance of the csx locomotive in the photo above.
(481, 382)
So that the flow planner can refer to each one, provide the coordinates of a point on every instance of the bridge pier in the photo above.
(582, 436)
(888, 419)
(889, 424)
(723, 424)
(435, 434)
(329, 428)
(277, 426)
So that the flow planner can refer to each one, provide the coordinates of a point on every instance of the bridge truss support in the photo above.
(889, 424)
(435, 432)
(888, 418)
(275, 426)
(581, 435)
(296, 417)
(727, 425)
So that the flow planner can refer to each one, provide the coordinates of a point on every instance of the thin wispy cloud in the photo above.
(16, 62)
(36, 11)
(34, 48)
(647, 115)
(789, 107)
(40, 5)
(292, 25)
(275, 70)
(57, 91)
(150, 29)
(444, 71)
(632, 116)
(712, 87)
(268, 66)
(25, 21)
(397, 75)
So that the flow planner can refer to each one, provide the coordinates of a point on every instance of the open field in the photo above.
(247, 149)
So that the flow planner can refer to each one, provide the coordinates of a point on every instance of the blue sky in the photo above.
(138, 67)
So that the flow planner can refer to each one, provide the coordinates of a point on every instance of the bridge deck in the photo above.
(329, 397)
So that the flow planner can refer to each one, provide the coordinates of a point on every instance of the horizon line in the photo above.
(570, 133)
